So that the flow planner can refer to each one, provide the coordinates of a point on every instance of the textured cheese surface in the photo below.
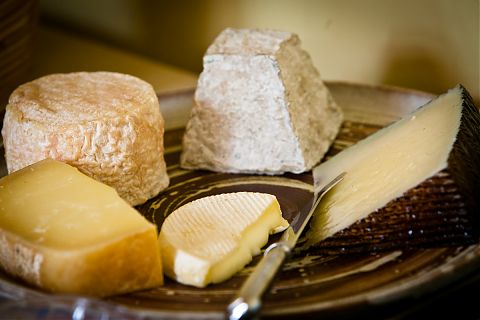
(106, 124)
(65, 232)
(385, 165)
(260, 107)
(209, 239)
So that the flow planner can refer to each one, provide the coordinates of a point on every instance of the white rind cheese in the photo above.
(261, 107)
(65, 232)
(209, 239)
(397, 158)
(106, 124)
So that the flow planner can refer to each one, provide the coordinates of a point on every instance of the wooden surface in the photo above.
(57, 51)
(17, 26)
(60, 51)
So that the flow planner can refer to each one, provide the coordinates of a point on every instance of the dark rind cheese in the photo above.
(441, 137)
(464, 159)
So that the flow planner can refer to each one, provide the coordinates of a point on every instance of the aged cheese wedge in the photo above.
(106, 124)
(261, 107)
(65, 232)
(209, 239)
(443, 134)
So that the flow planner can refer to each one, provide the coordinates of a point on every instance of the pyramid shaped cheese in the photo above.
(209, 239)
(443, 134)
(261, 107)
(65, 232)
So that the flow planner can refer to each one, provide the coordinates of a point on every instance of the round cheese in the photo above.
(106, 124)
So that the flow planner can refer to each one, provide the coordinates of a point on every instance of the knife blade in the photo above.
(248, 301)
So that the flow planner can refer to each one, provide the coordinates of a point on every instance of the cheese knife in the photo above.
(248, 301)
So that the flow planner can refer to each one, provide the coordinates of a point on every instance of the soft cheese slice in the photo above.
(209, 239)
(445, 133)
(261, 107)
(65, 232)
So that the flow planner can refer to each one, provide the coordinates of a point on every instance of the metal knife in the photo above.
(248, 302)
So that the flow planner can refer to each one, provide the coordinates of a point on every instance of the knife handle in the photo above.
(248, 302)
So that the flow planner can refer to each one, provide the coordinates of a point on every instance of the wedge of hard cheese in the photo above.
(261, 107)
(443, 134)
(65, 232)
(209, 239)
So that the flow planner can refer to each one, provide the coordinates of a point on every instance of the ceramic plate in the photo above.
(418, 244)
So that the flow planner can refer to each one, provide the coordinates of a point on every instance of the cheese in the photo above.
(106, 124)
(443, 134)
(65, 232)
(209, 239)
(260, 107)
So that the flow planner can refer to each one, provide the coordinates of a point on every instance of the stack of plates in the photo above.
(17, 24)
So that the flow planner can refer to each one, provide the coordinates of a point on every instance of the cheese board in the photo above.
(349, 273)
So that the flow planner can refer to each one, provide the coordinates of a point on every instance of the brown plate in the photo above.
(339, 277)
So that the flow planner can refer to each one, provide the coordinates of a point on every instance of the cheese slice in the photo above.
(445, 133)
(209, 239)
(65, 232)
(260, 107)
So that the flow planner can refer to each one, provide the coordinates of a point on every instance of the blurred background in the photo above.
(425, 44)
(429, 45)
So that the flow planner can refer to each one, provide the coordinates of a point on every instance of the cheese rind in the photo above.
(209, 239)
(261, 107)
(65, 232)
(399, 157)
(106, 124)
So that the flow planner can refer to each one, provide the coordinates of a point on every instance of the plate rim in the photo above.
(455, 269)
